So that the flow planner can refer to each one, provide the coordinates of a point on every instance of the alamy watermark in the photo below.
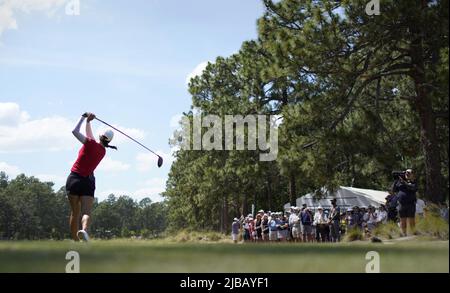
(73, 8)
(73, 266)
(212, 132)
(373, 266)
(373, 7)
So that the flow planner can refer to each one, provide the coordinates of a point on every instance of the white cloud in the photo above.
(110, 165)
(9, 9)
(198, 70)
(7, 20)
(118, 137)
(10, 170)
(10, 114)
(148, 161)
(19, 133)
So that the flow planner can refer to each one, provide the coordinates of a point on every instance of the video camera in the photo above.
(396, 174)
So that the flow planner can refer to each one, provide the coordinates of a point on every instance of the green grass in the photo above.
(167, 256)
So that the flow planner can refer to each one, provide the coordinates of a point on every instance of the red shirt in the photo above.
(89, 156)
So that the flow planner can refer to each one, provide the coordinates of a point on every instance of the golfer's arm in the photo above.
(89, 130)
(76, 131)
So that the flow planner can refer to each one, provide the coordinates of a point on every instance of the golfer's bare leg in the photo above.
(403, 225)
(74, 201)
(412, 225)
(86, 207)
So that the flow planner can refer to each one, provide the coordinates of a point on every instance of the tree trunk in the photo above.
(245, 205)
(429, 141)
(423, 106)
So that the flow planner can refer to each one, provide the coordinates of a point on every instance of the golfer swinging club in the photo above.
(80, 185)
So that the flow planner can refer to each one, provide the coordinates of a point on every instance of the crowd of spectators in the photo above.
(318, 224)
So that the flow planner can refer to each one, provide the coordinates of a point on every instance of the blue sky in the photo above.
(126, 61)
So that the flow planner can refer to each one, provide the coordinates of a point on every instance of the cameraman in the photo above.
(406, 187)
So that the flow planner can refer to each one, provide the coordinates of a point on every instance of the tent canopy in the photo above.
(346, 197)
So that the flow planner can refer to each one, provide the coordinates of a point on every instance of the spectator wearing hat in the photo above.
(247, 229)
(302, 209)
(283, 228)
(286, 216)
(363, 217)
(258, 227)
(357, 218)
(251, 223)
(265, 227)
(307, 219)
(321, 221)
(371, 219)
(273, 227)
(350, 222)
(235, 227)
(294, 223)
(333, 220)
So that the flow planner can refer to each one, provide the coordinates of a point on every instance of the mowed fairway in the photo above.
(160, 256)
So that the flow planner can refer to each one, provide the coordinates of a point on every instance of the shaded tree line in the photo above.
(31, 209)
(358, 95)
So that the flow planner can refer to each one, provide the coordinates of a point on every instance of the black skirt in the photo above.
(79, 185)
(407, 210)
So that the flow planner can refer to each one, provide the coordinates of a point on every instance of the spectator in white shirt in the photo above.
(294, 223)
(382, 215)
(420, 206)
(371, 218)
(321, 221)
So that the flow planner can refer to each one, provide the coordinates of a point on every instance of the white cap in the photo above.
(109, 134)
(320, 208)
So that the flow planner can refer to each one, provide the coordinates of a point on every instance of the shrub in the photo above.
(197, 236)
(353, 235)
(390, 230)
(433, 225)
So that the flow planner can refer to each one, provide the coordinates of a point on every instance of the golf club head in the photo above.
(160, 161)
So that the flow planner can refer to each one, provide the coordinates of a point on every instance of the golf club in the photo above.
(160, 159)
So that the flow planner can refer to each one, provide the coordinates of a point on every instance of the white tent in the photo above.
(346, 197)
